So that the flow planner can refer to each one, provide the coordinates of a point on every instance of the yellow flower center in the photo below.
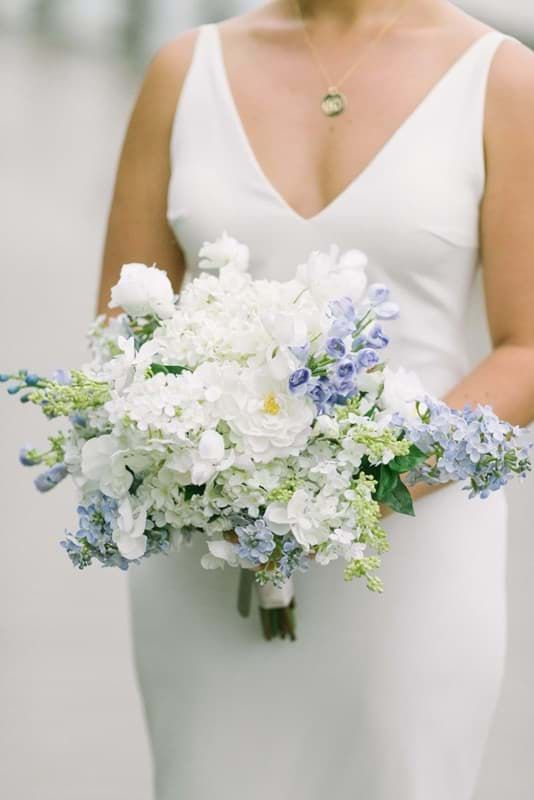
(271, 404)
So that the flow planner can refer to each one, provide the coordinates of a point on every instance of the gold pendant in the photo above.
(333, 103)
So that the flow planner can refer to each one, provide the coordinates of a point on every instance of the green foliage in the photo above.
(166, 369)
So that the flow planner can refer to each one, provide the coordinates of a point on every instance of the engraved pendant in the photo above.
(333, 103)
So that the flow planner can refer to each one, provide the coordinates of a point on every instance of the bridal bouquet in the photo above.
(258, 415)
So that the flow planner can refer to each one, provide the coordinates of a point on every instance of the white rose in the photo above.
(401, 389)
(224, 252)
(129, 531)
(265, 421)
(142, 291)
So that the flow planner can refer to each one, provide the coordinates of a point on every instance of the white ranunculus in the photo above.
(102, 461)
(224, 252)
(129, 532)
(327, 276)
(142, 291)
(401, 389)
(300, 516)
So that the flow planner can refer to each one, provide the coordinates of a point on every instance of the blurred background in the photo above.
(72, 726)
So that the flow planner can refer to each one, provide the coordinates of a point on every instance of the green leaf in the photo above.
(408, 462)
(168, 369)
(400, 500)
(191, 490)
(387, 481)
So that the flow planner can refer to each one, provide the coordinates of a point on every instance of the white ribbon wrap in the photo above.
(273, 597)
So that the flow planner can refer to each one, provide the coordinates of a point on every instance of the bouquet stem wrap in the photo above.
(271, 596)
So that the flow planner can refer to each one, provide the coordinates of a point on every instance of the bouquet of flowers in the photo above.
(256, 414)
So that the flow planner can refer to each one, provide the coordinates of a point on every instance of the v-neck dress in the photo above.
(382, 697)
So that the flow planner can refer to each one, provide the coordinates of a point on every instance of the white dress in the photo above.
(382, 697)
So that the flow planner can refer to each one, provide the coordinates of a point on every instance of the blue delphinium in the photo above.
(256, 542)
(353, 339)
(49, 480)
(299, 380)
(29, 457)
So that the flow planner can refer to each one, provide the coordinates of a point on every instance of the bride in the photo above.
(402, 128)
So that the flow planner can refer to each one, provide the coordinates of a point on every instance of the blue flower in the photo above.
(256, 542)
(298, 380)
(78, 420)
(293, 557)
(367, 358)
(29, 457)
(345, 369)
(62, 376)
(49, 480)
(335, 347)
(376, 337)
(387, 310)
(32, 379)
(378, 293)
(343, 307)
(341, 328)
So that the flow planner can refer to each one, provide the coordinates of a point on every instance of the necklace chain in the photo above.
(334, 86)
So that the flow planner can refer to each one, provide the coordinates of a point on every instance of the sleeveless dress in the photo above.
(382, 697)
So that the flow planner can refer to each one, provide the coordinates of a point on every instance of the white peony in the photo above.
(401, 389)
(142, 291)
(224, 252)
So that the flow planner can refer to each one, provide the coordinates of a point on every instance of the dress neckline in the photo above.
(373, 161)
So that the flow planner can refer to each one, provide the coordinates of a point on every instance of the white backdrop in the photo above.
(72, 726)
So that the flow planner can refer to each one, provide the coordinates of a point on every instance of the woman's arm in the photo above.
(505, 379)
(137, 227)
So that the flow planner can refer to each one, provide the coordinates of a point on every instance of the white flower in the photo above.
(226, 251)
(327, 426)
(328, 278)
(103, 461)
(401, 389)
(265, 421)
(301, 516)
(220, 553)
(285, 327)
(129, 531)
(142, 291)
(209, 458)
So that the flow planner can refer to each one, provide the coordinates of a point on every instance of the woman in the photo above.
(429, 165)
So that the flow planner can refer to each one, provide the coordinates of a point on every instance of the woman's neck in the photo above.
(350, 11)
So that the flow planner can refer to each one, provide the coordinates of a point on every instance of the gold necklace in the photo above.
(334, 102)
